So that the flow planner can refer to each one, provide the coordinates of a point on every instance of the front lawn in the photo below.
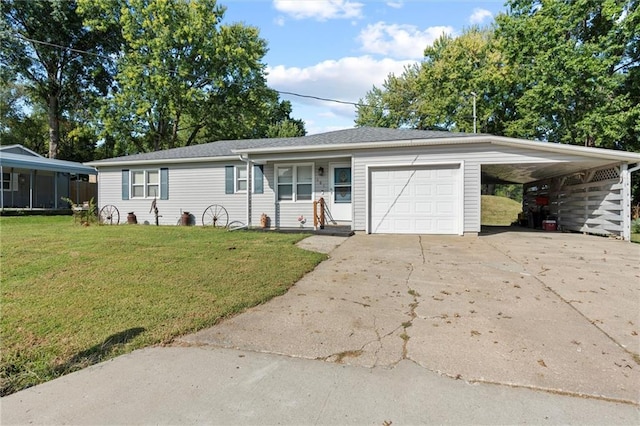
(72, 296)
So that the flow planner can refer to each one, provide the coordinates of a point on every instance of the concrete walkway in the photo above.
(502, 329)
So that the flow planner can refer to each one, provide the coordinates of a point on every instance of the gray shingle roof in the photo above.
(339, 137)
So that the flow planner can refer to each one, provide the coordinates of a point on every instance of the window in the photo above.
(145, 183)
(295, 183)
(8, 181)
(241, 179)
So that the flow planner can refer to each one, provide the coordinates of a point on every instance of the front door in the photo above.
(341, 189)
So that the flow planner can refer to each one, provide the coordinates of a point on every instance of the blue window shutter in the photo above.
(125, 184)
(258, 173)
(164, 184)
(229, 177)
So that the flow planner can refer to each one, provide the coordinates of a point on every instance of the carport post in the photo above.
(625, 178)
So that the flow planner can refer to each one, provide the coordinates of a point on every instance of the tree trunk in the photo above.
(54, 126)
(174, 131)
(193, 134)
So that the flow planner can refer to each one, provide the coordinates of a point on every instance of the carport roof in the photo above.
(28, 159)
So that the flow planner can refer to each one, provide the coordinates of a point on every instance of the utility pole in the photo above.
(474, 111)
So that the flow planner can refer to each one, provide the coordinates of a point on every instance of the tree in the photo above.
(42, 46)
(18, 127)
(573, 60)
(438, 93)
(183, 77)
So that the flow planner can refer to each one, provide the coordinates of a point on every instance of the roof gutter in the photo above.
(98, 164)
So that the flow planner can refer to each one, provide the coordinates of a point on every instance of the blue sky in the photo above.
(340, 49)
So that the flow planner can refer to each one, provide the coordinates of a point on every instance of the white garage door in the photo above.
(413, 200)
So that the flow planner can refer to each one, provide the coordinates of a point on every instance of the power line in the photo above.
(46, 43)
(281, 92)
(320, 99)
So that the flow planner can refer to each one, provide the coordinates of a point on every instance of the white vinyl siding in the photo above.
(193, 187)
(265, 202)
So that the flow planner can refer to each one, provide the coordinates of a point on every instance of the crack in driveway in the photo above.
(455, 328)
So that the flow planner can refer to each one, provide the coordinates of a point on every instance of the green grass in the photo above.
(499, 211)
(72, 295)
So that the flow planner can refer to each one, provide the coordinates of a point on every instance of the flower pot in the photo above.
(185, 219)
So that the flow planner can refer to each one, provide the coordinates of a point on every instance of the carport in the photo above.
(581, 189)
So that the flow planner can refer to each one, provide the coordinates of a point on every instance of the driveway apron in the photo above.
(550, 311)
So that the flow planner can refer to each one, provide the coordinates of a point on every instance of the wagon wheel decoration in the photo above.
(215, 215)
(109, 215)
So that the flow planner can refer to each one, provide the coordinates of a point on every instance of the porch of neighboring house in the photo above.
(32, 183)
(36, 192)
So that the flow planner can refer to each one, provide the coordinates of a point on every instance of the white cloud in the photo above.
(479, 15)
(347, 79)
(399, 41)
(320, 10)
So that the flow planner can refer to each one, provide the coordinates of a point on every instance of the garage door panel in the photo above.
(445, 189)
(423, 190)
(422, 208)
(445, 208)
(419, 200)
(445, 173)
(446, 226)
(402, 208)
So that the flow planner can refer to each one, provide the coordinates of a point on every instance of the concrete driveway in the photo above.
(548, 311)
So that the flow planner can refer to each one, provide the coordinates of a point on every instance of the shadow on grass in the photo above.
(17, 374)
(100, 352)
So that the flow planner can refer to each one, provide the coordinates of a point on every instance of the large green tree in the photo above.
(560, 71)
(20, 121)
(183, 77)
(42, 47)
(574, 60)
(440, 92)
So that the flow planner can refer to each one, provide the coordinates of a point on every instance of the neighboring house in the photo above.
(376, 180)
(31, 181)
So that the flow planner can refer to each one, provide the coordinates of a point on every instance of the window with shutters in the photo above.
(147, 183)
(237, 181)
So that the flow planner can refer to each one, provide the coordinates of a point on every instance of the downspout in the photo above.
(249, 188)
